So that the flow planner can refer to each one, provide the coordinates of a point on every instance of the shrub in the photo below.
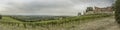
(117, 11)
(0, 16)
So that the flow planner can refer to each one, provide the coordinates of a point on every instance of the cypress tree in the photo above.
(0, 16)
(117, 11)
(89, 9)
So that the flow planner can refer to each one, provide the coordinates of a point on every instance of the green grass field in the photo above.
(7, 20)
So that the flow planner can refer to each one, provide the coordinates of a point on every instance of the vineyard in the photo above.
(16, 20)
(36, 18)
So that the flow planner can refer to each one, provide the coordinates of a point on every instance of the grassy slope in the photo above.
(67, 26)
(76, 18)
(9, 20)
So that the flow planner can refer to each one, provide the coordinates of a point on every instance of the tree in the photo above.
(89, 9)
(79, 14)
(0, 16)
(113, 7)
(117, 11)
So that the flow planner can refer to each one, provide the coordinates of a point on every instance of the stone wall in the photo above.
(103, 10)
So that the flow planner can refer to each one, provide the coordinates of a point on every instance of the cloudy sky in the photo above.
(49, 7)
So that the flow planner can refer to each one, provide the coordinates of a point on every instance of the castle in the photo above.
(103, 10)
(98, 10)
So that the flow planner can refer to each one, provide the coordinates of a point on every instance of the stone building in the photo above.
(103, 10)
(98, 10)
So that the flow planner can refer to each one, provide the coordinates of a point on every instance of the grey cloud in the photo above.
(50, 7)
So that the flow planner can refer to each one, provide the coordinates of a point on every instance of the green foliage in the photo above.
(113, 7)
(10, 21)
(36, 18)
(76, 18)
(89, 9)
(117, 11)
(0, 16)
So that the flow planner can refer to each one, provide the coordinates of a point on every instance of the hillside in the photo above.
(107, 23)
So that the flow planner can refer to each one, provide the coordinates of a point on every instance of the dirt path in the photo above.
(98, 24)
(101, 24)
